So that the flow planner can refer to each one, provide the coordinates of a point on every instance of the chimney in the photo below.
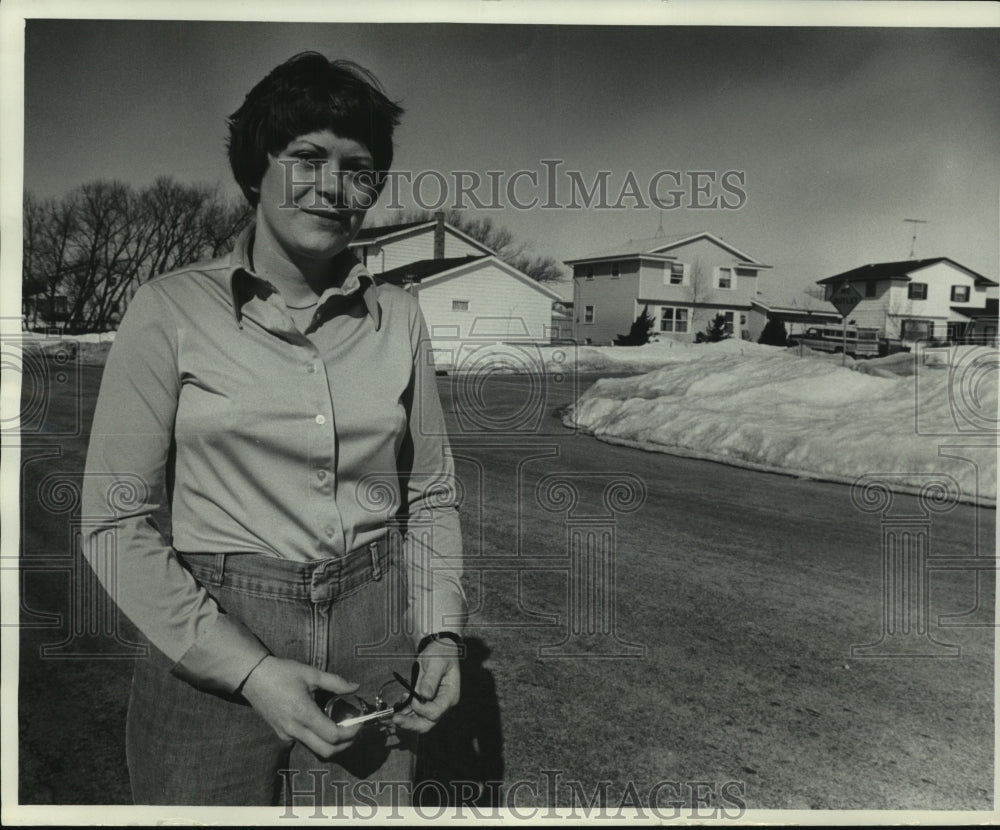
(439, 235)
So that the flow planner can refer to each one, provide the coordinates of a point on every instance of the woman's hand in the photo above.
(439, 682)
(282, 693)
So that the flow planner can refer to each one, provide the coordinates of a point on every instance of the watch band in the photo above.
(437, 636)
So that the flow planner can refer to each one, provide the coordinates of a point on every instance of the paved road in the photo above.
(746, 592)
(735, 599)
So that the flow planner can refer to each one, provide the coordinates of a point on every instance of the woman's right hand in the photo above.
(282, 693)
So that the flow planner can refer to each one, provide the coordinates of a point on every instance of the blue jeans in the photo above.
(191, 747)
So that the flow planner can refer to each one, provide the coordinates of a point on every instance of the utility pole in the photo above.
(913, 242)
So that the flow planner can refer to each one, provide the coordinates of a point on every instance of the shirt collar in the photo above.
(358, 279)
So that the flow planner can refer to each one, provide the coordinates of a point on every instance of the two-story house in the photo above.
(684, 279)
(922, 298)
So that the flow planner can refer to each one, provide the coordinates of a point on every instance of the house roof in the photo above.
(427, 270)
(899, 270)
(382, 231)
(385, 233)
(799, 302)
(989, 311)
(424, 268)
(663, 245)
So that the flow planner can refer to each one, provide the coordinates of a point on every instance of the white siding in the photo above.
(500, 308)
(454, 245)
(892, 304)
(403, 251)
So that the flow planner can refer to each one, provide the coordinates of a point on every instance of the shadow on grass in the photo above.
(461, 759)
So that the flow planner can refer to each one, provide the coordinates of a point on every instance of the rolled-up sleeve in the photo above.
(125, 484)
(433, 542)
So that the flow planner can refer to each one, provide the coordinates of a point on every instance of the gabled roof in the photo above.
(663, 246)
(433, 270)
(386, 233)
(369, 235)
(899, 270)
(424, 268)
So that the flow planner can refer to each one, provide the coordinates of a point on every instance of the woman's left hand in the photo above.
(439, 682)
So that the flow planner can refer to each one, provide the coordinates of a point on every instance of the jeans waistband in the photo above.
(318, 580)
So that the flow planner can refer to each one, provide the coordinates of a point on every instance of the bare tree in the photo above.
(97, 244)
(698, 289)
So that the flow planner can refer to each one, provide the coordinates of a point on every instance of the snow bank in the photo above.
(772, 410)
(500, 357)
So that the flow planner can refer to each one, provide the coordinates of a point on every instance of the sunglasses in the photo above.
(393, 696)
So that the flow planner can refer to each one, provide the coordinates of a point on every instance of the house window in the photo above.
(459, 305)
(917, 291)
(676, 273)
(673, 319)
(746, 272)
(870, 288)
(725, 278)
(615, 271)
(730, 317)
(960, 293)
(589, 272)
(915, 329)
(588, 314)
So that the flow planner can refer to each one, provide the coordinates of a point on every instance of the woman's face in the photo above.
(311, 204)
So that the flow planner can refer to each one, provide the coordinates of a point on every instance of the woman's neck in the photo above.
(299, 280)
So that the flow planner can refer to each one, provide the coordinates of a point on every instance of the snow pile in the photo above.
(529, 357)
(775, 411)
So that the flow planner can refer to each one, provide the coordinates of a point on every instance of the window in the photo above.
(960, 293)
(917, 291)
(589, 273)
(730, 317)
(746, 272)
(615, 271)
(673, 319)
(588, 314)
(870, 288)
(459, 305)
(915, 329)
(743, 320)
(676, 273)
(725, 278)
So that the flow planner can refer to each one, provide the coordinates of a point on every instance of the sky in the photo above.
(836, 134)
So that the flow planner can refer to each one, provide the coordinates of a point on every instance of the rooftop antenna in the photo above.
(913, 242)
(659, 231)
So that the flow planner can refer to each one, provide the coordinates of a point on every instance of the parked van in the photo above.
(861, 342)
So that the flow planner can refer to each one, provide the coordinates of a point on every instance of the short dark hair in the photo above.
(306, 93)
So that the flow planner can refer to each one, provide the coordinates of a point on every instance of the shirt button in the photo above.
(330, 531)
(311, 368)
(320, 420)
(321, 475)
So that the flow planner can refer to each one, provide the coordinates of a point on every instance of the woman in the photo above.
(279, 401)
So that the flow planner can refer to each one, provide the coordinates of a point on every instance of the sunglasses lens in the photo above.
(339, 709)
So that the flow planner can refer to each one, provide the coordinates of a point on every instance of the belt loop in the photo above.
(376, 565)
(219, 570)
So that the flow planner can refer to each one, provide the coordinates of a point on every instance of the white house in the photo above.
(393, 246)
(469, 301)
(922, 298)
(685, 280)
